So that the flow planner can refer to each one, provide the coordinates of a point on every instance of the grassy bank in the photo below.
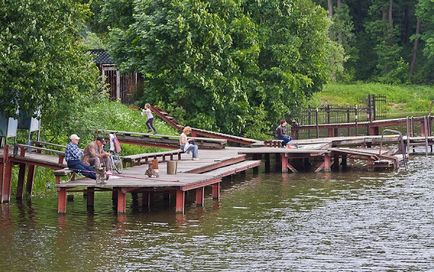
(402, 100)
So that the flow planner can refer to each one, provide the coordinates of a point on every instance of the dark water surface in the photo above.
(356, 221)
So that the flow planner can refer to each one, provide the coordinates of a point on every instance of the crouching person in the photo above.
(73, 156)
(94, 155)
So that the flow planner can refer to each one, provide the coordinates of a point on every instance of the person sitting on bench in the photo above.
(187, 144)
(94, 155)
(73, 157)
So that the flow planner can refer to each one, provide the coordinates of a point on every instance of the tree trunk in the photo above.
(339, 4)
(391, 12)
(330, 8)
(415, 46)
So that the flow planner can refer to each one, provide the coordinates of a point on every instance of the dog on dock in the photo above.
(151, 172)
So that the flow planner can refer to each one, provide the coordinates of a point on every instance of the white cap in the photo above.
(74, 137)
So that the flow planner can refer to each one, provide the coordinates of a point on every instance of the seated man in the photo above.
(94, 155)
(281, 131)
(73, 157)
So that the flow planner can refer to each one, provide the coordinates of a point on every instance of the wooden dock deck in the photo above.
(191, 175)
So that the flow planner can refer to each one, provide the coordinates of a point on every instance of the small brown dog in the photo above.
(151, 172)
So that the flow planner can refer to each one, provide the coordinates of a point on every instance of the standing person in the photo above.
(94, 155)
(187, 144)
(73, 157)
(281, 133)
(150, 121)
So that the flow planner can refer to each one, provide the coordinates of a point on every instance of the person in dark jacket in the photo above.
(281, 133)
(73, 156)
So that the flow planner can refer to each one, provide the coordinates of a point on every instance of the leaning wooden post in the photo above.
(60, 161)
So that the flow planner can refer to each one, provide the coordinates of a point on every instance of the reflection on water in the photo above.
(337, 221)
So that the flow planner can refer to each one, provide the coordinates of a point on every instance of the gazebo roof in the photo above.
(101, 56)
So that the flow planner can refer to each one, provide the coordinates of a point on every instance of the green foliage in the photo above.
(402, 100)
(104, 114)
(42, 64)
(233, 66)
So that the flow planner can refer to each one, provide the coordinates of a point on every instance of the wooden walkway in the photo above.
(321, 154)
(191, 175)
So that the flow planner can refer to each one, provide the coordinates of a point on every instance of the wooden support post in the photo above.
(215, 191)
(330, 132)
(60, 161)
(344, 162)
(21, 176)
(61, 200)
(180, 201)
(200, 197)
(90, 198)
(267, 163)
(7, 176)
(327, 162)
(335, 164)
(20, 185)
(122, 201)
(422, 128)
(30, 179)
(146, 200)
(135, 200)
(277, 159)
(284, 160)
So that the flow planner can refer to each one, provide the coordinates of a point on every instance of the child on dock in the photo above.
(150, 121)
(187, 144)
(281, 134)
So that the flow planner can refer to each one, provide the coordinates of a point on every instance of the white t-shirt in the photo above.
(148, 113)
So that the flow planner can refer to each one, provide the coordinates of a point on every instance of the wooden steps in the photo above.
(217, 164)
(234, 168)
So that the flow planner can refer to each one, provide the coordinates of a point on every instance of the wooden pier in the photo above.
(191, 176)
(320, 154)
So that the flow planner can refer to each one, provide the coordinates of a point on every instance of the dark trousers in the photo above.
(150, 125)
(79, 167)
(285, 139)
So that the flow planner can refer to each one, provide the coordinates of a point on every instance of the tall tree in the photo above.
(236, 66)
(42, 64)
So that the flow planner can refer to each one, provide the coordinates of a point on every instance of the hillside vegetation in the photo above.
(401, 100)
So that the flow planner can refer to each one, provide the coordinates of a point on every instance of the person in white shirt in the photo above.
(150, 122)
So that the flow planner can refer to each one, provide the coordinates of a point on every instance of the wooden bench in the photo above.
(273, 143)
(65, 172)
(137, 159)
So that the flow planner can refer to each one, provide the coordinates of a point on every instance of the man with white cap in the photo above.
(73, 157)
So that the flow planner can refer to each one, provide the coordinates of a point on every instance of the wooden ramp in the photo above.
(201, 132)
(164, 141)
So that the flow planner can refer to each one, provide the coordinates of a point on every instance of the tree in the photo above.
(236, 66)
(42, 64)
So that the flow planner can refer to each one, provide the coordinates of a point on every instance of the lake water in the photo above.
(355, 221)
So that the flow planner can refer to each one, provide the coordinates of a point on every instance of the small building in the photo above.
(121, 86)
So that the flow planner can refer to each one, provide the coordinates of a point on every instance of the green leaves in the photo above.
(233, 66)
(42, 65)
